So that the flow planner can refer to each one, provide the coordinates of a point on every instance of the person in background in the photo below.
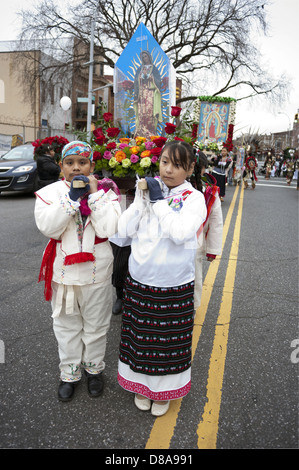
(210, 241)
(48, 170)
(222, 164)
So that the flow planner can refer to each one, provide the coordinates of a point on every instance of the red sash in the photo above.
(46, 270)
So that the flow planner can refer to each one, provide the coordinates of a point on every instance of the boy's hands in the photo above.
(93, 184)
(76, 193)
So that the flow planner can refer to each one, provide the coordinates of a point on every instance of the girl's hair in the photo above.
(42, 149)
(181, 153)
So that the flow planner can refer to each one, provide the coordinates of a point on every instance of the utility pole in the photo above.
(89, 105)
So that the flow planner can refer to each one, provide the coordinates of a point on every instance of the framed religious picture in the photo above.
(215, 117)
(144, 86)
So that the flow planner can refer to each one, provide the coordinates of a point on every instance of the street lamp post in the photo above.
(89, 105)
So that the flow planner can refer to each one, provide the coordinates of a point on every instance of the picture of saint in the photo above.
(212, 130)
(147, 97)
(213, 126)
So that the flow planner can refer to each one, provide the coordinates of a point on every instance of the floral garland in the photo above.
(124, 156)
(215, 147)
(57, 142)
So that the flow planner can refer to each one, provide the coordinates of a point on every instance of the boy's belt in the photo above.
(46, 270)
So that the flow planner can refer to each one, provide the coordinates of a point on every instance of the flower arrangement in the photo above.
(124, 156)
(57, 142)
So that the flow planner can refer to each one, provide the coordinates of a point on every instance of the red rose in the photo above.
(156, 151)
(97, 155)
(108, 117)
(178, 138)
(99, 136)
(113, 131)
(170, 128)
(111, 146)
(98, 132)
(100, 140)
(175, 111)
(160, 141)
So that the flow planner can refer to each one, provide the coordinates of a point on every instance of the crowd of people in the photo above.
(280, 166)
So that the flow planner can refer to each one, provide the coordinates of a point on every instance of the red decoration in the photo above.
(170, 128)
(175, 111)
(229, 141)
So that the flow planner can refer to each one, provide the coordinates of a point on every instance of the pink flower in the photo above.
(149, 145)
(107, 155)
(134, 158)
(154, 159)
(122, 146)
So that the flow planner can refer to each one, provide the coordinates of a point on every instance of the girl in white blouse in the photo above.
(157, 322)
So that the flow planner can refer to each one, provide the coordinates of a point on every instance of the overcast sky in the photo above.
(280, 52)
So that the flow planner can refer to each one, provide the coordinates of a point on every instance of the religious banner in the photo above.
(144, 86)
(215, 116)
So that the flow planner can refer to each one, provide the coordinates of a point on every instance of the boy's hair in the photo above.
(180, 153)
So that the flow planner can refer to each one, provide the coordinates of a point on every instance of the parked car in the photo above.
(18, 170)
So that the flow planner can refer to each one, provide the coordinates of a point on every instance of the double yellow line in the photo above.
(207, 430)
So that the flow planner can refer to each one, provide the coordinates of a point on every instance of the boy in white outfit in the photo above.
(77, 266)
(210, 240)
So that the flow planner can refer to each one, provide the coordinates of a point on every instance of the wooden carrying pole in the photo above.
(142, 184)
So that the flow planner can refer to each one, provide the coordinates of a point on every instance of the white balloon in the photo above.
(65, 103)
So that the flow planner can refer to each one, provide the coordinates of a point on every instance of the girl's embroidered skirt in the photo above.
(156, 340)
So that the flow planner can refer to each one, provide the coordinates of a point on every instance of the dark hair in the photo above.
(42, 149)
(203, 159)
(181, 153)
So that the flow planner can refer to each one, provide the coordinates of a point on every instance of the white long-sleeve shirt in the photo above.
(212, 232)
(163, 233)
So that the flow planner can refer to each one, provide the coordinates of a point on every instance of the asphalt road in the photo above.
(253, 401)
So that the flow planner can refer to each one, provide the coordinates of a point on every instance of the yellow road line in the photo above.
(163, 427)
(208, 427)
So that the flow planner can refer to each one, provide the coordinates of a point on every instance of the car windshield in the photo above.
(24, 152)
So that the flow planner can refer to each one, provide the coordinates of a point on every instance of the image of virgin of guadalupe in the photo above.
(147, 97)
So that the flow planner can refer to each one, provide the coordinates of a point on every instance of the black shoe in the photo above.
(95, 384)
(66, 391)
(117, 307)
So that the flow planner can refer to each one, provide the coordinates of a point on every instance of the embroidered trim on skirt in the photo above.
(157, 325)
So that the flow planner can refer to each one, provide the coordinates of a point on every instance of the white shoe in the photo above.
(143, 404)
(159, 409)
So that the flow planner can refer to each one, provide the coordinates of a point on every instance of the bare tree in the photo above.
(208, 41)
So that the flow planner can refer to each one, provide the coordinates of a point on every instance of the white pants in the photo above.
(81, 333)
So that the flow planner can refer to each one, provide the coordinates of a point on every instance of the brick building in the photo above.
(30, 101)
